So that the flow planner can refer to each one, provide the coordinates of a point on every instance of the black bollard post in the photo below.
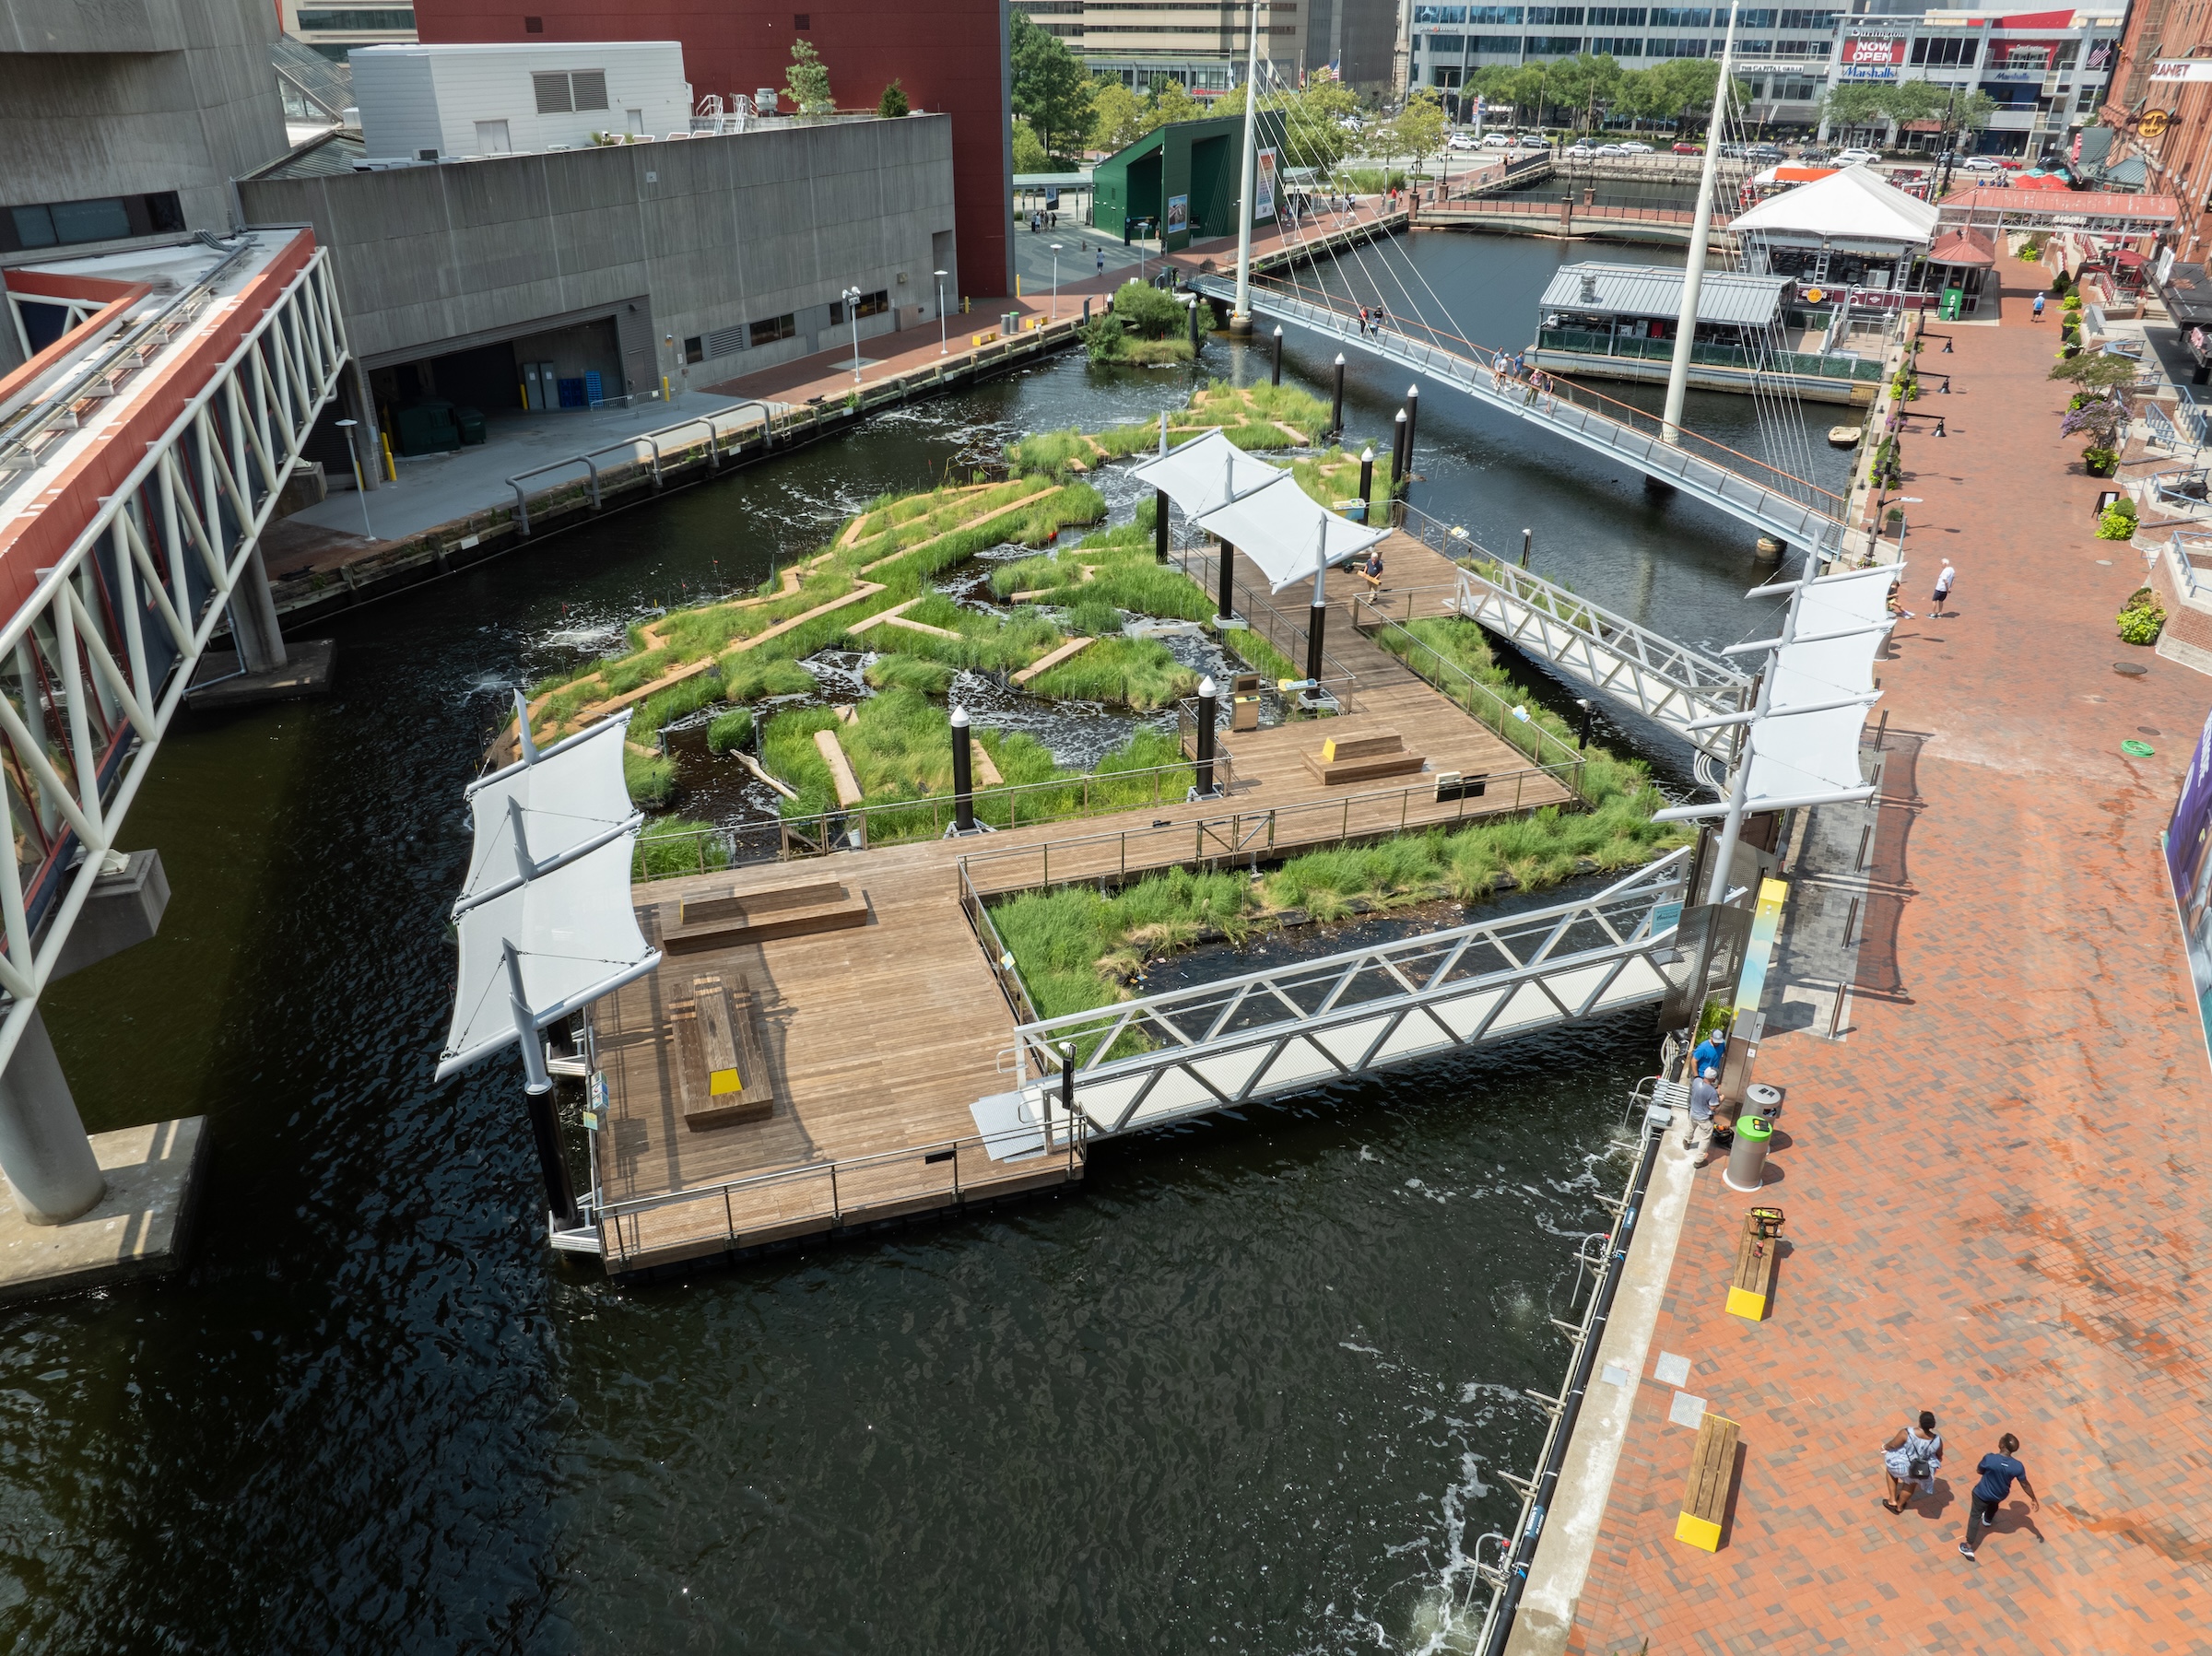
(1228, 584)
(1336, 407)
(1397, 456)
(1413, 421)
(1278, 374)
(963, 776)
(1588, 707)
(1159, 526)
(545, 1128)
(1194, 322)
(1087, 311)
(1527, 537)
(1366, 481)
(1317, 618)
(1209, 709)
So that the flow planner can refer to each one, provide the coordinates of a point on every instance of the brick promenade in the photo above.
(1997, 1185)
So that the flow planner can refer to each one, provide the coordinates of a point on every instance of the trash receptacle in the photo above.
(470, 422)
(1747, 1157)
(1765, 1100)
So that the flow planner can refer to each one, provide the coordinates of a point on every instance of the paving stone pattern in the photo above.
(1996, 1182)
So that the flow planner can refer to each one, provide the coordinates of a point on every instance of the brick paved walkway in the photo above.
(1996, 1185)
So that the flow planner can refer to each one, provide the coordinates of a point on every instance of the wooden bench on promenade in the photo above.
(726, 920)
(1364, 757)
(1753, 1284)
(722, 1067)
(1711, 1471)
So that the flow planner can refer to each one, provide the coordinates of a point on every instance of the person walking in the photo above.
(1101, 261)
(1999, 1472)
(1371, 571)
(1705, 1095)
(1943, 587)
(2039, 307)
(1912, 1458)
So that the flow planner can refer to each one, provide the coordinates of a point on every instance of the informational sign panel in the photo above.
(1179, 215)
(1262, 184)
(1873, 56)
(2189, 866)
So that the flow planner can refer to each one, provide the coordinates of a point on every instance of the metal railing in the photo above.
(2183, 489)
(1216, 1045)
(590, 460)
(758, 1208)
(2183, 547)
(1802, 365)
(1283, 633)
(995, 951)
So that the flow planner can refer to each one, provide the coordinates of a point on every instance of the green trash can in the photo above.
(471, 423)
(1954, 300)
(1747, 1157)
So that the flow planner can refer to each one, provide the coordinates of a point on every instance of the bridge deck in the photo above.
(880, 1038)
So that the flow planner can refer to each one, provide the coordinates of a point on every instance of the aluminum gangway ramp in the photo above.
(1669, 683)
(1798, 512)
(1142, 1062)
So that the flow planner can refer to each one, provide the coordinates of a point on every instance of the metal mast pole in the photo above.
(1240, 319)
(1693, 274)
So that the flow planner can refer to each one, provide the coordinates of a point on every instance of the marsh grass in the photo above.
(1136, 672)
(651, 781)
(671, 846)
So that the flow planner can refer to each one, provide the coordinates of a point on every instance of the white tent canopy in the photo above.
(574, 938)
(1854, 210)
(1841, 622)
(1256, 507)
(541, 812)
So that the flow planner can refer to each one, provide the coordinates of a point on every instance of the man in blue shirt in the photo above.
(1710, 1052)
(1999, 1471)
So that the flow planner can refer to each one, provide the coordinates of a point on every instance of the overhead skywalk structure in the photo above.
(1669, 683)
(1140, 1063)
(1796, 513)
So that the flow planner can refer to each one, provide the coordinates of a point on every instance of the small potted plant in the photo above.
(2103, 420)
(2142, 618)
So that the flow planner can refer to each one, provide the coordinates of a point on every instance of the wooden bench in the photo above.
(1711, 1471)
(720, 1064)
(1756, 1250)
(723, 920)
(1362, 758)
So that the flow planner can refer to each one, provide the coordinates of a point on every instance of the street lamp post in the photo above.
(941, 348)
(851, 299)
(1055, 281)
(360, 488)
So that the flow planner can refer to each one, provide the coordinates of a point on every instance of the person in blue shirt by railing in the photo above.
(1999, 1471)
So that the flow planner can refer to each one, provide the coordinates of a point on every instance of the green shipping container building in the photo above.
(1184, 177)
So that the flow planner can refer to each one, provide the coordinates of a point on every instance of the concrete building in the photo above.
(569, 277)
(949, 58)
(1203, 47)
(125, 122)
(422, 103)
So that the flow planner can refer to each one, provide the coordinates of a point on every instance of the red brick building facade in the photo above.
(946, 55)
(2176, 143)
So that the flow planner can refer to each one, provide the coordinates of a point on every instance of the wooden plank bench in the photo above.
(723, 921)
(1756, 1251)
(1362, 757)
(1711, 1471)
(721, 1066)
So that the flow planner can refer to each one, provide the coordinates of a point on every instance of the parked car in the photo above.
(1853, 158)
(1613, 149)
(1767, 154)
(1692, 149)
(1583, 146)
(1631, 146)
(1461, 141)
(1497, 140)
(2011, 163)
(1980, 163)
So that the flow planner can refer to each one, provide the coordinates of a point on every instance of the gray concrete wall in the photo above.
(715, 232)
(102, 98)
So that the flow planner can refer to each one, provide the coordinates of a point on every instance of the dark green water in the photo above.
(1246, 1388)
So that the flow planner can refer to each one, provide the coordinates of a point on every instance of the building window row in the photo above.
(106, 219)
(769, 329)
(868, 304)
(383, 21)
(1942, 53)
(1675, 48)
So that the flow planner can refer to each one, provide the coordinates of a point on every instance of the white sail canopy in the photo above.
(1258, 509)
(547, 808)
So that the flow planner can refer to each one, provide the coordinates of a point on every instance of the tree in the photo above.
(1028, 152)
(1171, 101)
(1147, 310)
(1417, 130)
(1117, 116)
(806, 82)
(1315, 134)
(892, 104)
(1051, 89)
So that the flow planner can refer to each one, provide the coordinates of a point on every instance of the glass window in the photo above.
(1569, 17)
(1553, 45)
(34, 227)
(1657, 48)
(1626, 45)
(1752, 48)
(1809, 19)
(106, 220)
(770, 329)
(1495, 45)
(695, 348)
(1439, 14)
(1494, 14)
(1755, 19)
(1616, 17)
(388, 17)
(1677, 17)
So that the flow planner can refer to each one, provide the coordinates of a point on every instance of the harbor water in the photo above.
(1250, 1386)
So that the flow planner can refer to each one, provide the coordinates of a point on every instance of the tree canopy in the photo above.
(1417, 130)
(1051, 89)
(1866, 103)
(806, 82)
(1029, 153)
(1592, 86)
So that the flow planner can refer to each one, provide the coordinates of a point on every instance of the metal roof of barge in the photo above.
(1656, 290)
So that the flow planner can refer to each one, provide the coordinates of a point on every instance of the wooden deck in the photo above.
(880, 1036)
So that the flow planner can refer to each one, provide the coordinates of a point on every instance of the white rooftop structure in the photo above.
(1850, 211)
(433, 104)
(1723, 296)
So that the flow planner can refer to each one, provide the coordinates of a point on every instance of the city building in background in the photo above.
(1203, 47)
(948, 58)
(333, 27)
(2156, 133)
(125, 124)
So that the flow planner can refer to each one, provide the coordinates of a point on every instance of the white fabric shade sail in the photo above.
(1798, 756)
(545, 918)
(1258, 509)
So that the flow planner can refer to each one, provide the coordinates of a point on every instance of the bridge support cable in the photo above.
(98, 655)
(1700, 227)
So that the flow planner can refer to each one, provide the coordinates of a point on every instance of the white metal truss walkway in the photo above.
(1141, 1063)
(1798, 512)
(1668, 683)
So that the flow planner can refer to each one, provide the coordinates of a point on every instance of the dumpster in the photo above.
(1748, 1156)
(425, 427)
(470, 423)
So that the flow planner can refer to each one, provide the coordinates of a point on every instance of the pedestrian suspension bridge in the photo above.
(1791, 510)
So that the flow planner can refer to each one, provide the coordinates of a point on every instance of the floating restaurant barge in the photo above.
(1620, 321)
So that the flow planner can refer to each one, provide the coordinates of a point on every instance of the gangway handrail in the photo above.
(651, 440)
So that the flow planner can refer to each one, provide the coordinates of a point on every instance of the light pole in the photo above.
(360, 489)
(851, 299)
(1055, 281)
(940, 275)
